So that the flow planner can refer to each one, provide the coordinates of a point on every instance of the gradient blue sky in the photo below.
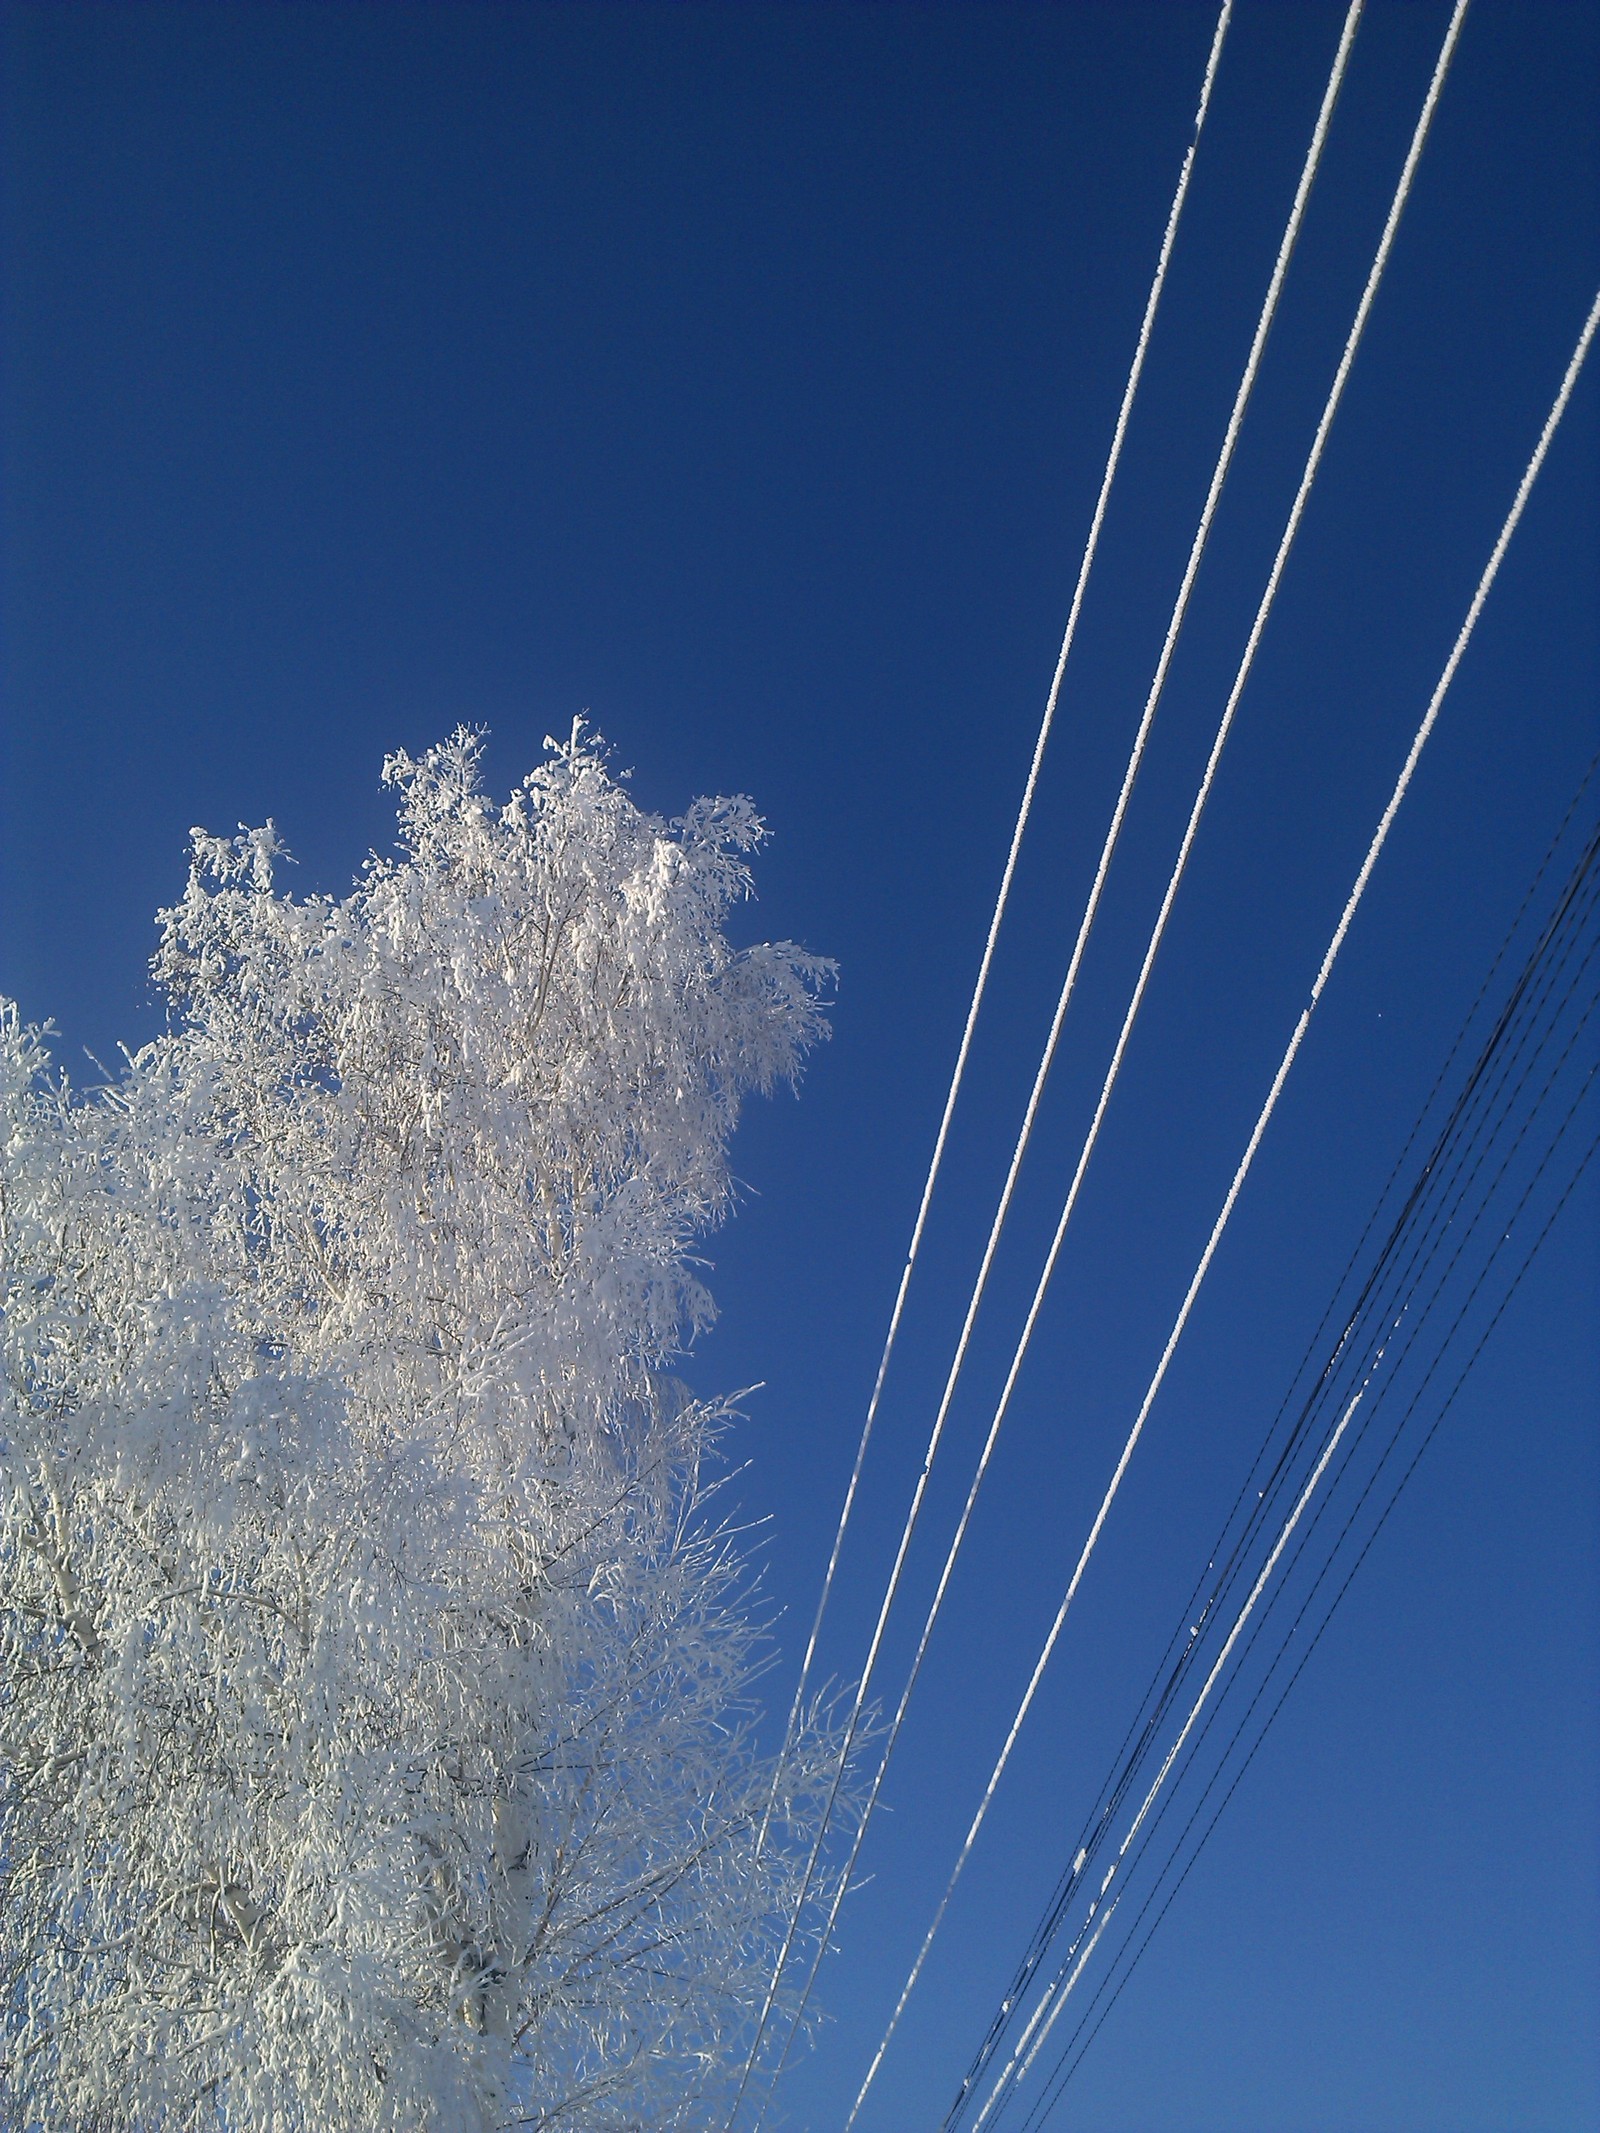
(742, 376)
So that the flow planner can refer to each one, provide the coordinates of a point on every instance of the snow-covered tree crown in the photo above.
(376, 1739)
(519, 1049)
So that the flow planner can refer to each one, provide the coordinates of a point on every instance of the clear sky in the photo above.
(741, 376)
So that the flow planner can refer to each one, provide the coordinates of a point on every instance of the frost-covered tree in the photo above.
(376, 1738)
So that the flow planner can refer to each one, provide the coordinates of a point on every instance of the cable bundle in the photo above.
(1456, 1242)
(1307, 1459)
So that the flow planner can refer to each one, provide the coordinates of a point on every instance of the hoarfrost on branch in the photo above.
(376, 1738)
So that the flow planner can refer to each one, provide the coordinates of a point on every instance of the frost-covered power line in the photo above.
(1090, 549)
(1024, 812)
(1438, 1215)
(1319, 983)
(1157, 934)
(1180, 608)
(1456, 1214)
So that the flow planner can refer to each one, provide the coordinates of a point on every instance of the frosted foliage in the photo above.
(375, 1746)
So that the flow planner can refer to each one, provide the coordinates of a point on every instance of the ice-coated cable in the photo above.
(1433, 1212)
(1064, 2070)
(1091, 547)
(1291, 529)
(1437, 1207)
(1380, 837)
(1433, 1209)
(1174, 627)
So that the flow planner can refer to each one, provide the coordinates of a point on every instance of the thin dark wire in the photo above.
(1013, 2073)
(1373, 1478)
(1460, 1170)
(1400, 1160)
(1421, 1318)
(1410, 1280)
(1065, 2069)
(1443, 1177)
(1410, 1142)
(1525, 994)
(1371, 1223)
(1311, 1647)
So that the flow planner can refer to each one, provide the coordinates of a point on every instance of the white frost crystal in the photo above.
(375, 1719)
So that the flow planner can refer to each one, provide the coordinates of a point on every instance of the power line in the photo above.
(1091, 546)
(1380, 837)
(1264, 608)
(1314, 1344)
(1434, 1204)
(1394, 1498)
(1066, 2067)
(1490, 1097)
(1174, 627)
(1075, 1962)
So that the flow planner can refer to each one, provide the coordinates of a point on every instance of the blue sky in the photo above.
(742, 377)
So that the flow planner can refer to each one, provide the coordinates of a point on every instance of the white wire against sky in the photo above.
(1224, 460)
(1064, 2074)
(1058, 1999)
(1247, 661)
(1091, 546)
(1063, 1983)
(1328, 1314)
(1380, 837)
(1398, 1305)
